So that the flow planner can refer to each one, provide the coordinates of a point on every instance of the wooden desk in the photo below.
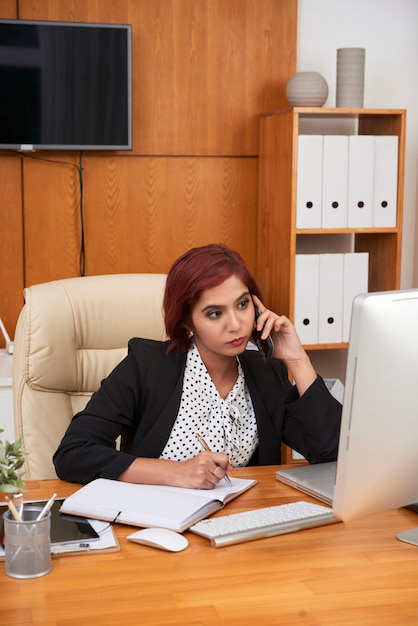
(344, 574)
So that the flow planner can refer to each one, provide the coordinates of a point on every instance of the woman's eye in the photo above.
(214, 314)
(243, 304)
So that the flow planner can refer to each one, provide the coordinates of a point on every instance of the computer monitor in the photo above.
(377, 466)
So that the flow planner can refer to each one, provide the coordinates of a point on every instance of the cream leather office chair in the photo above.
(70, 334)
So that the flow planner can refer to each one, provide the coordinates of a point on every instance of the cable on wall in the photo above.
(79, 168)
(82, 242)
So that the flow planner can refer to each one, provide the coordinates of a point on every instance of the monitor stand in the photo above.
(409, 536)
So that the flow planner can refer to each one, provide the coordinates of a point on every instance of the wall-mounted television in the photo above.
(65, 86)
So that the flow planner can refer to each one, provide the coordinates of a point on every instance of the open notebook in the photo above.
(377, 466)
(151, 505)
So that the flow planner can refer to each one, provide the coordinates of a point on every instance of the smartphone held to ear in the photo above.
(265, 346)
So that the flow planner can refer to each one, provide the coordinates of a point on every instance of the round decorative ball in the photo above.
(307, 89)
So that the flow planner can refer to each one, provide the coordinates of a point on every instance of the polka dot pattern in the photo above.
(227, 425)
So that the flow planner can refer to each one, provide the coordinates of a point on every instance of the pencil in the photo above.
(206, 447)
(13, 509)
(47, 506)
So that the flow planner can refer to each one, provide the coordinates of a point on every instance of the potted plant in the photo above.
(12, 456)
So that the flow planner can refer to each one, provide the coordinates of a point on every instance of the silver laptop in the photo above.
(316, 480)
(377, 466)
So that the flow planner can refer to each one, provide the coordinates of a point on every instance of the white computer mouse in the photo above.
(161, 538)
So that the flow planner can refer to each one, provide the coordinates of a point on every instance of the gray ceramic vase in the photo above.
(307, 89)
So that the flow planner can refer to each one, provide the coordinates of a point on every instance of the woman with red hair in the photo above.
(205, 379)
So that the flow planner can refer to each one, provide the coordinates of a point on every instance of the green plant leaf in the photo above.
(11, 460)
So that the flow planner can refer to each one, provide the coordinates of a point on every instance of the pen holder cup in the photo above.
(27, 544)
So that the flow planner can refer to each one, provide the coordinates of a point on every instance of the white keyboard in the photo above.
(266, 522)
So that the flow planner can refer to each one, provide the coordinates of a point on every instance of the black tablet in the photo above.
(65, 529)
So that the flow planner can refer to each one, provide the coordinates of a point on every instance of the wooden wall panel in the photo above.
(226, 65)
(203, 71)
(52, 219)
(141, 213)
(11, 244)
(9, 9)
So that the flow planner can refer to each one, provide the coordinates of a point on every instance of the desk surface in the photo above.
(343, 574)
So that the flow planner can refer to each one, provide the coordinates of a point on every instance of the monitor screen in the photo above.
(65, 86)
(377, 466)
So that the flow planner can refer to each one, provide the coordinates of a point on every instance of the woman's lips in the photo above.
(237, 342)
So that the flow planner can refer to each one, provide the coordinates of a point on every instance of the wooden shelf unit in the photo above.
(277, 232)
(278, 238)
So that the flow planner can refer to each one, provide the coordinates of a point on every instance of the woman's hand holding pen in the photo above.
(205, 470)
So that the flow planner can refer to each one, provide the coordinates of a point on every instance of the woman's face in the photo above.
(223, 319)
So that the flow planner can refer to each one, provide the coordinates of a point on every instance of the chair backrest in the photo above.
(70, 334)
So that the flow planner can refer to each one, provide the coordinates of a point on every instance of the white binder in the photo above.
(309, 181)
(356, 281)
(306, 297)
(335, 181)
(385, 180)
(360, 181)
(330, 322)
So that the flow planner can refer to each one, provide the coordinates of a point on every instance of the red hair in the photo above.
(193, 272)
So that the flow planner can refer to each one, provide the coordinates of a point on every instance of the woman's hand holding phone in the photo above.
(286, 344)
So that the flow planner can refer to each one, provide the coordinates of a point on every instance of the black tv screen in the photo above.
(65, 86)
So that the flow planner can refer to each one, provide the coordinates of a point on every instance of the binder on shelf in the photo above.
(360, 181)
(307, 297)
(385, 180)
(325, 288)
(335, 181)
(330, 319)
(309, 182)
(356, 278)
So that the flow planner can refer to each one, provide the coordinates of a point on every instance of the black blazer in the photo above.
(139, 401)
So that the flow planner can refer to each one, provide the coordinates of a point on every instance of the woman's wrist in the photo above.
(150, 472)
(303, 373)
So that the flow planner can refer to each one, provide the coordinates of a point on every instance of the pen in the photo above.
(59, 549)
(13, 509)
(206, 447)
(19, 506)
(47, 506)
